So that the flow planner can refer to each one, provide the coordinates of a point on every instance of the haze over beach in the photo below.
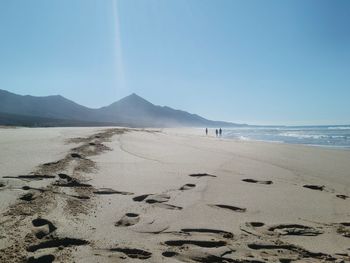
(174, 131)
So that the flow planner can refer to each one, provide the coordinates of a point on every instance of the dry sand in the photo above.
(173, 195)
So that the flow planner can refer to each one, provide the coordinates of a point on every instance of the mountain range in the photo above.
(132, 111)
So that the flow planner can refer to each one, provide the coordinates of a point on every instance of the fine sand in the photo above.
(171, 195)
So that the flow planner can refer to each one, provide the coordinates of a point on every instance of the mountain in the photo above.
(7, 119)
(137, 111)
(47, 107)
(130, 111)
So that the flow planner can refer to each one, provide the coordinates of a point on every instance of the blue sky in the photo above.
(259, 62)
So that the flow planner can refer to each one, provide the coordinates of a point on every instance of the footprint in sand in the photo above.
(229, 207)
(169, 254)
(202, 175)
(293, 249)
(152, 198)
(208, 231)
(68, 181)
(344, 229)
(43, 227)
(151, 227)
(255, 224)
(199, 243)
(314, 187)
(109, 191)
(41, 259)
(76, 155)
(65, 177)
(187, 187)
(51, 163)
(344, 197)
(58, 242)
(158, 200)
(133, 252)
(162, 198)
(257, 181)
(294, 230)
(26, 188)
(167, 206)
(129, 219)
(215, 255)
(31, 177)
(140, 198)
(284, 229)
(28, 197)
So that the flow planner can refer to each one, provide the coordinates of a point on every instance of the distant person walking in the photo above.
(220, 132)
(216, 132)
(206, 131)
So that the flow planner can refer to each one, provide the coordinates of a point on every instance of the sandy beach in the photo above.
(169, 195)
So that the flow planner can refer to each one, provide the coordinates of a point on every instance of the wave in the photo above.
(304, 136)
(339, 128)
(332, 136)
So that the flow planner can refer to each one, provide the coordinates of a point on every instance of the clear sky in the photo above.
(258, 62)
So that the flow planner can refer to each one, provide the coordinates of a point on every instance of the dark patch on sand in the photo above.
(230, 207)
(133, 252)
(59, 242)
(314, 187)
(31, 177)
(140, 198)
(344, 197)
(295, 230)
(109, 191)
(257, 181)
(41, 259)
(68, 181)
(167, 206)
(76, 155)
(344, 229)
(202, 175)
(51, 163)
(256, 224)
(199, 243)
(39, 222)
(27, 197)
(129, 219)
(169, 254)
(301, 251)
(187, 187)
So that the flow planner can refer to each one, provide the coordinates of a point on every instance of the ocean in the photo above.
(326, 136)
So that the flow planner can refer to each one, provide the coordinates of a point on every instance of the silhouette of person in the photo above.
(206, 131)
(220, 132)
(216, 132)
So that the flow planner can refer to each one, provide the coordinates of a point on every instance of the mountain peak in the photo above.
(134, 98)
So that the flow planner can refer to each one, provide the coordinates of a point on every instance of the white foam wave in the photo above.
(243, 138)
(339, 128)
(303, 136)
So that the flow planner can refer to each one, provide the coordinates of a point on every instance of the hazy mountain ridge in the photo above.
(7, 119)
(129, 111)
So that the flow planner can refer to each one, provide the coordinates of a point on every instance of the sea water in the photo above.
(328, 136)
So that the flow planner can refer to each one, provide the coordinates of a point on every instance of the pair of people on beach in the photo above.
(217, 132)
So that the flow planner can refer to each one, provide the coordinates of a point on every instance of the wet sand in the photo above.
(172, 195)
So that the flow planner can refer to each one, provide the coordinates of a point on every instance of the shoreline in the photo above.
(335, 147)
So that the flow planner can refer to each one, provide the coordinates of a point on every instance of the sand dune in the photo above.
(172, 195)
